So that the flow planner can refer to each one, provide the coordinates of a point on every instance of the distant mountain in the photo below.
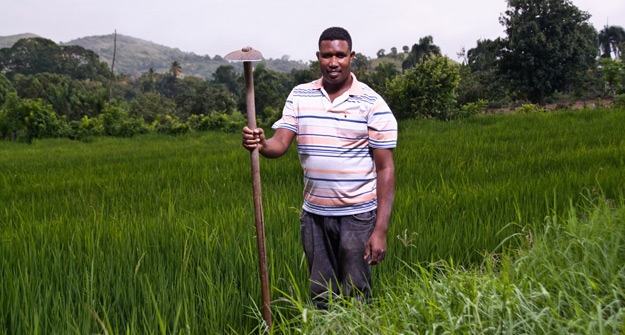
(135, 56)
(8, 41)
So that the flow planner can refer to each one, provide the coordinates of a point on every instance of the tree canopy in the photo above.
(611, 40)
(549, 46)
(37, 55)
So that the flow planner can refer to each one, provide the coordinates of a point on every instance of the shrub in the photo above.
(531, 108)
(425, 91)
(170, 125)
(28, 120)
(88, 127)
(198, 122)
(619, 101)
(116, 122)
(470, 109)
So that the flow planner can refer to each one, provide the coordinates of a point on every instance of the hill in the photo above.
(135, 56)
(8, 41)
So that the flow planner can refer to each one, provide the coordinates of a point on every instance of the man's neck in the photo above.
(336, 90)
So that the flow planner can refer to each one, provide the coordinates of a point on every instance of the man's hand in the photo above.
(376, 247)
(253, 139)
(274, 147)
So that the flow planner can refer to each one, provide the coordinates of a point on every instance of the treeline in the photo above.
(550, 53)
(47, 90)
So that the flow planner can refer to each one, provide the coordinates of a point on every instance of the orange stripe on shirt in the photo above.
(339, 171)
(341, 201)
(336, 142)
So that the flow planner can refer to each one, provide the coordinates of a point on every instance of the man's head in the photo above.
(335, 56)
(336, 33)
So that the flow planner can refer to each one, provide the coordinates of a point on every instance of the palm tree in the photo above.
(427, 49)
(175, 69)
(152, 75)
(611, 39)
(422, 51)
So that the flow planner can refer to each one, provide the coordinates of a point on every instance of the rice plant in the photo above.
(155, 234)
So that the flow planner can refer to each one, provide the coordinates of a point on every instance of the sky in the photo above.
(276, 28)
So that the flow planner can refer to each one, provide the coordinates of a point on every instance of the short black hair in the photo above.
(336, 33)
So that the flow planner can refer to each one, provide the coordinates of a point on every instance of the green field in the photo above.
(155, 234)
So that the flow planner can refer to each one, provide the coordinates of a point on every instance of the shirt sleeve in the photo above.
(382, 126)
(289, 118)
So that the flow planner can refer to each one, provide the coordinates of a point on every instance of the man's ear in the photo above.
(318, 54)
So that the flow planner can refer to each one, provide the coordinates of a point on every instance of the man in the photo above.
(345, 139)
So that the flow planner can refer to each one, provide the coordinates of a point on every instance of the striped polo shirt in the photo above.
(334, 141)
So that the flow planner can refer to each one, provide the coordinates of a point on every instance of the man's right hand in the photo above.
(273, 147)
(253, 139)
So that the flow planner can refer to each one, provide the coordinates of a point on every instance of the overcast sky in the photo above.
(279, 27)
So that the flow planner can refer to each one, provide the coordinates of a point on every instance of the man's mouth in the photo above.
(334, 72)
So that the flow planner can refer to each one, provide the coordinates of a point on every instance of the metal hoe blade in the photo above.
(246, 54)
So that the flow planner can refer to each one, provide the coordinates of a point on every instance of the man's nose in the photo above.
(334, 61)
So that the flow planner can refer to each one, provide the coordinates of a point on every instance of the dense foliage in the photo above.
(427, 90)
(550, 46)
(550, 54)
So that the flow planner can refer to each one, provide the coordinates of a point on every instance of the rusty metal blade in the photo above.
(246, 54)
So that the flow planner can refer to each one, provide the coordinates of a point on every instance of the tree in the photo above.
(313, 72)
(479, 78)
(175, 69)
(226, 76)
(549, 46)
(384, 71)
(271, 89)
(612, 71)
(68, 97)
(381, 53)
(420, 52)
(485, 56)
(425, 91)
(611, 40)
(360, 65)
(168, 85)
(148, 106)
(147, 81)
(80, 63)
(31, 56)
(37, 55)
(406, 49)
(5, 88)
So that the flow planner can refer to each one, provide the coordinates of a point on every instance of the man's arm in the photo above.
(274, 147)
(385, 170)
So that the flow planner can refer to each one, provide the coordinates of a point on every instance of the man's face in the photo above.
(335, 61)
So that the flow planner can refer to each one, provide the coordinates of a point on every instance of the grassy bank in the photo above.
(155, 234)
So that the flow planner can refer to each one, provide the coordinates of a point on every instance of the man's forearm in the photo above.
(278, 144)
(386, 196)
(385, 170)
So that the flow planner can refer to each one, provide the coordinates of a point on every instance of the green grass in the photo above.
(569, 279)
(155, 234)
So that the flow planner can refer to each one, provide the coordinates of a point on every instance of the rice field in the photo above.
(155, 234)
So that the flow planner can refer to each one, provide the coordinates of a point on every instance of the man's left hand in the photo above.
(375, 250)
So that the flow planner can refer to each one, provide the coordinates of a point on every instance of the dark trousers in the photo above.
(335, 249)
